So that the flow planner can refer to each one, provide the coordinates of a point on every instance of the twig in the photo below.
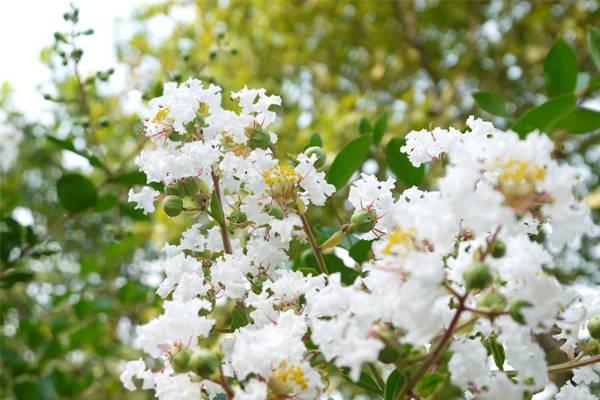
(222, 224)
(313, 243)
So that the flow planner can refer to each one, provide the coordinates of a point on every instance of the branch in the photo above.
(222, 225)
(566, 366)
(313, 243)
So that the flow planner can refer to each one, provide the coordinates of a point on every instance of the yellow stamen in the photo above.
(280, 175)
(292, 374)
(400, 237)
(161, 114)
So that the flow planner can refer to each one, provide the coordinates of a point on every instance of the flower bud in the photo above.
(181, 360)
(319, 152)
(515, 310)
(173, 205)
(204, 363)
(363, 221)
(477, 276)
(333, 240)
(498, 249)
(492, 301)
(259, 139)
(594, 326)
(237, 217)
(189, 186)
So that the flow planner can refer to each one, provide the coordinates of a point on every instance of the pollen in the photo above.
(161, 114)
(402, 237)
(281, 175)
(515, 170)
(285, 374)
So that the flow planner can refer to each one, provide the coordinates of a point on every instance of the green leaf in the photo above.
(593, 42)
(594, 84)
(67, 144)
(308, 271)
(106, 202)
(133, 213)
(348, 161)
(393, 385)
(12, 277)
(238, 318)
(76, 192)
(215, 208)
(498, 354)
(360, 250)
(401, 166)
(430, 384)
(364, 382)
(492, 103)
(580, 120)
(543, 116)
(11, 236)
(335, 264)
(380, 127)
(560, 69)
(314, 140)
(364, 126)
(130, 178)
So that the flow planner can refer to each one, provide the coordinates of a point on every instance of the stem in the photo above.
(313, 243)
(224, 383)
(571, 365)
(222, 225)
(376, 375)
(435, 355)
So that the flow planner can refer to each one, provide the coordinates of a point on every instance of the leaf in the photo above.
(134, 213)
(67, 144)
(12, 277)
(215, 208)
(335, 264)
(314, 140)
(348, 161)
(543, 116)
(11, 236)
(401, 166)
(430, 384)
(360, 250)
(238, 318)
(130, 178)
(492, 103)
(580, 120)
(560, 69)
(364, 382)
(594, 84)
(393, 384)
(106, 202)
(498, 354)
(380, 127)
(76, 192)
(593, 43)
(364, 126)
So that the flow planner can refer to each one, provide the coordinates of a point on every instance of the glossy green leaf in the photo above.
(580, 120)
(380, 127)
(12, 277)
(560, 69)
(364, 382)
(348, 161)
(130, 178)
(360, 250)
(364, 126)
(315, 140)
(393, 385)
(238, 318)
(76, 192)
(429, 384)
(543, 116)
(492, 103)
(401, 166)
(593, 43)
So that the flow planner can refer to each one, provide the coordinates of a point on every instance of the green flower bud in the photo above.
(173, 190)
(499, 249)
(515, 310)
(203, 187)
(204, 362)
(259, 139)
(594, 345)
(173, 205)
(389, 354)
(276, 212)
(363, 221)
(319, 152)
(594, 326)
(237, 217)
(492, 301)
(477, 276)
(181, 360)
(189, 186)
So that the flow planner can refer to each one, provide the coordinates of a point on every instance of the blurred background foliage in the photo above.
(76, 277)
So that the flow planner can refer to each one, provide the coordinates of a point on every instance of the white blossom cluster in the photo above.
(501, 202)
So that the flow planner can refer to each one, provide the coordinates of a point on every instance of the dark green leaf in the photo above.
(380, 127)
(580, 120)
(492, 103)
(11, 236)
(498, 354)
(543, 116)
(593, 42)
(308, 271)
(401, 166)
(67, 144)
(106, 202)
(76, 192)
(560, 69)
(238, 318)
(315, 140)
(348, 161)
(335, 264)
(215, 208)
(134, 213)
(360, 250)
(130, 178)
(429, 384)
(364, 126)
(393, 384)
(364, 382)
(594, 84)
(12, 277)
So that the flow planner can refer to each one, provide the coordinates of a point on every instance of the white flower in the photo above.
(571, 392)
(253, 390)
(136, 369)
(469, 364)
(144, 198)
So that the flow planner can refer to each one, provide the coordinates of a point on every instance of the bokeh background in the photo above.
(75, 285)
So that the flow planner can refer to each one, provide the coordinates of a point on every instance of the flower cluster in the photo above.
(460, 270)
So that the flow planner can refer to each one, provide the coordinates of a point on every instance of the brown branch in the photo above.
(222, 224)
(313, 243)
